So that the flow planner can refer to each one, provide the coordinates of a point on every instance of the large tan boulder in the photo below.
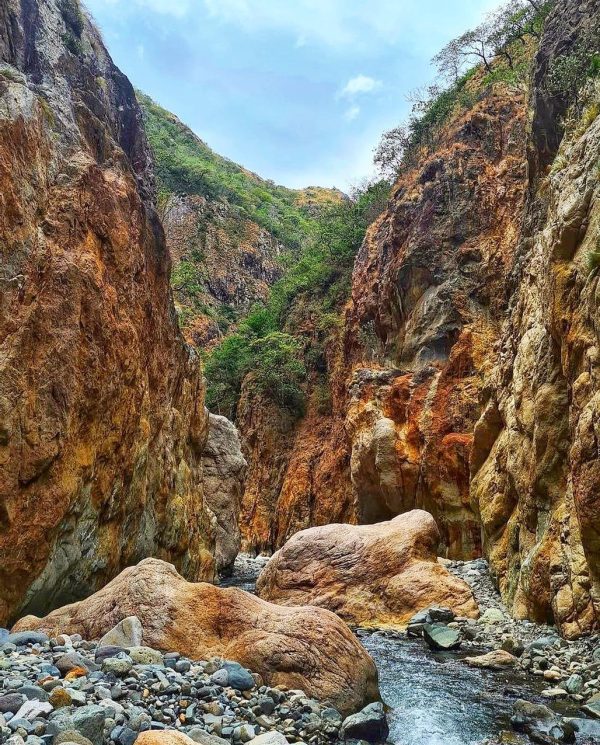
(378, 574)
(306, 648)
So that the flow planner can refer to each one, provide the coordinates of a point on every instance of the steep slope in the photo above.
(228, 230)
(535, 465)
(405, 369)
(102, 417)
(428, 282)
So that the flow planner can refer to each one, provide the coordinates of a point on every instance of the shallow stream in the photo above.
(435, 698)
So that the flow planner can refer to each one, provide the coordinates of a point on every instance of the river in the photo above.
(435, 698)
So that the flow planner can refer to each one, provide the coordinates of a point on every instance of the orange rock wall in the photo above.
(536, 464)
(102, 420)
(406, 370)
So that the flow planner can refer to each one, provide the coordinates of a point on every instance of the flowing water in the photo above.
(435, 698)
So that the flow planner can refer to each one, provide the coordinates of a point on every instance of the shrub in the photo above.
(318, 280)
(72, 16)
(593, 258)
(73, 44)
(278, 370)
(590, 115)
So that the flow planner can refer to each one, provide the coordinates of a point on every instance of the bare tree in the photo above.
(389, 154)
(459, 53)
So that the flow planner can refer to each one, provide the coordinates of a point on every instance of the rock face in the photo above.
(234, 260)
(305, 648)
(298, 473)
(535, 464)
(102, 414)
(469, 372)
(370, 574)
(224, 469)
(405, 382)
(426, 300)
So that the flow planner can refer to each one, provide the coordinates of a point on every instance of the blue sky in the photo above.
(298, 91)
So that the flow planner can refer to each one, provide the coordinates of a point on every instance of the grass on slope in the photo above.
(317, 285)
(186, 165)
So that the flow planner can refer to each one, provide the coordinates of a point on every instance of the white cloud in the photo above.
(352, 113)
(359, 85)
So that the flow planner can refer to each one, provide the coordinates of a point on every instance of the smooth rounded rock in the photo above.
(380, 574)
(440, 637)
(145, 656)
(126, 633)
(301, 647)
(370, 724)
(499, 659)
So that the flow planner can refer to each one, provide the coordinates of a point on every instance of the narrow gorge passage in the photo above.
(389, 385)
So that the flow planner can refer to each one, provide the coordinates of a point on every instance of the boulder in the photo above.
(224, 475)
(440, 637)
(496, 660)
(303, 648)
(492, 616)
(370, 724)
(592, 706)
(378, 574)
(539, 722)
(166, 737)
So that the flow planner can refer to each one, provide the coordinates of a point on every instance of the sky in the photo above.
(298, 91)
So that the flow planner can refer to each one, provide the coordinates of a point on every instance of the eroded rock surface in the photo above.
(102, 412)
(405, 371)
(535, 462)
(304, 648)
(224, 470)
(378, 574)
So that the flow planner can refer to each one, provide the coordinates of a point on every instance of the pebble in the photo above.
(118, 692)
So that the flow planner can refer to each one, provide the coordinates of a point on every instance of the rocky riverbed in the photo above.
(535, 687)
(547, 686)
(69, 690)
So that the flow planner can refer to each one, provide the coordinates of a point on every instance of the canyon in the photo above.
(393, 394)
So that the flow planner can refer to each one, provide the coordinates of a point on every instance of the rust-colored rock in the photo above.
(304, 647)
(536, 464)
(102, 418)
(378, 574)
(427, 300)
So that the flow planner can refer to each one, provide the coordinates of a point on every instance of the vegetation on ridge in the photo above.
(186, 165)
(498, 50)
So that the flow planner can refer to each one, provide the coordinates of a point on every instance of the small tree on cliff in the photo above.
(469, 48)
(389, 154)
